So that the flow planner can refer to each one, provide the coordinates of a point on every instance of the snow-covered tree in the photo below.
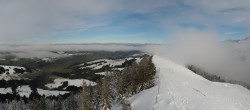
(86, 97)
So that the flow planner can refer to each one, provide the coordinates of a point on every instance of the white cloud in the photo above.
(202, 48)
(22, 20)
(210, 13)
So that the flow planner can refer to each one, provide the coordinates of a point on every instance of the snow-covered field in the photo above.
(98, 64)
(5, 90)
(47, 93)
(9, 72)
(24, 90)
(11, 69)
(46, 59)
(180, 89)
(101, 73)
(71, 82)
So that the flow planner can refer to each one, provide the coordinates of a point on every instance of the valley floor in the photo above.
(180, 89)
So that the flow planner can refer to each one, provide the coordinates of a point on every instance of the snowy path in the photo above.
(181, 89)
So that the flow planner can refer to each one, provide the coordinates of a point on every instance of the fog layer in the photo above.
(230, 60)
(27, 51)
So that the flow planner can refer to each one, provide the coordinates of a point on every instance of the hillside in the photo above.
(181, 89)
(9, 72)
(53, 76)
(175, 87)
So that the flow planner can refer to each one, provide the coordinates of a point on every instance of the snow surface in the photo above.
(47, 93)
(24, 90)
(181, 89)
(98, 64)
(5, 90)
(120, 69)
(71, 82)
(47, 59)
(11, 71)
(101, 73)
(138, 55)
(11, 68)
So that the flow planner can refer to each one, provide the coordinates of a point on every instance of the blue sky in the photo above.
(119, 21)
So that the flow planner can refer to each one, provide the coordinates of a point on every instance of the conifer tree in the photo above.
(97, 95)
(37, 104)
(106, 92)
(86, 97)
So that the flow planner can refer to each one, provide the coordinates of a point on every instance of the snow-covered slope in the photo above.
(25, 90)
(11, 69)
(181, 89)
(11, 72)
(98, 64)
(48, 93)
(5, 90)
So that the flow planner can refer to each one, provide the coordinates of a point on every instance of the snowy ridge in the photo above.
(181, 89)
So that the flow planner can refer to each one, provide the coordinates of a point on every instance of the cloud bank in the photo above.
(44, 50)
(202, 48)
(70, 47)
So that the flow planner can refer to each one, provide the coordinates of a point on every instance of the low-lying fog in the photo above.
(27, 51)
(230, 60)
